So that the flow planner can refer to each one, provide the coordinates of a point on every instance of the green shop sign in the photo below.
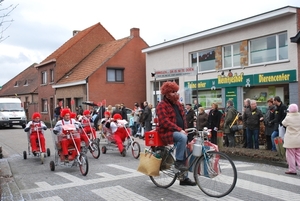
(241, 80)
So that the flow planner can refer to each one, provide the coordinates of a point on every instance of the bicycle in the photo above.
(214, 172)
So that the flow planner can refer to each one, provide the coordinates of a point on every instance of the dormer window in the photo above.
(26, 83)
(16, 84)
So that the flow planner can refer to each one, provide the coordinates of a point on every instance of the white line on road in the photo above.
(118, 193)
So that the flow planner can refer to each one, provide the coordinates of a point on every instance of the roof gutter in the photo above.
(46, 62)
(224, 28)
(56, 86)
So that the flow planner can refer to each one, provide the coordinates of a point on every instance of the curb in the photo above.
(257, 160)
(8, 187)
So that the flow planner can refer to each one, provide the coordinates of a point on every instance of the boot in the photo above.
(187, 182)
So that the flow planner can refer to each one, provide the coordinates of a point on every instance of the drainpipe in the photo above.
(87, 88)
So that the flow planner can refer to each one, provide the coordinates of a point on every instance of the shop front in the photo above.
(238, 87)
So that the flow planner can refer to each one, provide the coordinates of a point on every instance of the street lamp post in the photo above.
(155, 95)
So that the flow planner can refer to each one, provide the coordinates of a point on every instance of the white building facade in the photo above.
(256, 58)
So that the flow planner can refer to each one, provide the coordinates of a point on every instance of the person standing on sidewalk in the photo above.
(269, 122)
(190, 116)
(253, 117)
(292, 138)
(214, 120)
(280, 114)
(246, 107)
(230, 115)
(147, 116)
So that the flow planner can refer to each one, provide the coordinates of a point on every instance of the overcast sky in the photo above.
(42, 26)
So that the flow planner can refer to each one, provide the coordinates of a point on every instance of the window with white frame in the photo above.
(204, 59)
(44, 77)
(44, 105)
(231, 55)
(269, 48)
(115, 75)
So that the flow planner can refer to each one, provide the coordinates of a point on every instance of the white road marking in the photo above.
(267, 175)
(54, 198)
(118, 193)
(266, 190)
(75, 181)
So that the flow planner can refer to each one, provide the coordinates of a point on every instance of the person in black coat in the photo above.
(190, 116)
(214, 120)
(269, 123)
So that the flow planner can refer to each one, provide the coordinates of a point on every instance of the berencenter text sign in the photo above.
(176, 72)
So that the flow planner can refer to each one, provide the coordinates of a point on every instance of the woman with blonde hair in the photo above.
(202, 118)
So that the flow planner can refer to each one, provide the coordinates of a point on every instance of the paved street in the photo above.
(113, 177)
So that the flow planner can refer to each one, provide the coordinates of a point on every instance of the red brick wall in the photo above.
(133, 88)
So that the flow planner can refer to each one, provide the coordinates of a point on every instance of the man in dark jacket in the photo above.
(246, 107)
(253, 117)
(123, 111)
(280, 114)
(230, 115)
(172, 125)
(147, 117)
(190, 116)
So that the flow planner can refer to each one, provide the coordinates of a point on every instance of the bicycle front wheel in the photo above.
(167, 176)
(136, 150)
(215, 174)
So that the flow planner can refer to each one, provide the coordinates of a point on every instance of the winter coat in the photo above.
(229, 117)
(167, 120)
(214, 119)
(292, 134)
(201, 121)
(190, 117)
(252, 118)
(280, 114)
(269, 119)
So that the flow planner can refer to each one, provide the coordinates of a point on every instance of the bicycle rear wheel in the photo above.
(167, 176)
(215, 174)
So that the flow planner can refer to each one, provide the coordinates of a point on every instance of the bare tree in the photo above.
(4, 22)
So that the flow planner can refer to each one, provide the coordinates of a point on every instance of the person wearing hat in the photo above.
(58, 128)
(119, 132)
(172, 124)
(36, 128)
(292, 138)
(190, 115)
(88, 128)
(230, 115)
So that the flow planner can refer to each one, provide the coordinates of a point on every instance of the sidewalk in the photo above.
(9, 190)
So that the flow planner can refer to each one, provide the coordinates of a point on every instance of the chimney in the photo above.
(75, 32)
(135, 32)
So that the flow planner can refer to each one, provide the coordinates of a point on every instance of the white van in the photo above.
(12, 112)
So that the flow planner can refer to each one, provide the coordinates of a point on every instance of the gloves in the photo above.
(45, 128)
(55, 132)
(27, 129)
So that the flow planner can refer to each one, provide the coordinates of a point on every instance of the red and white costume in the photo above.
(88, 130)
(119, 132)
(65, 142)
(36, 130)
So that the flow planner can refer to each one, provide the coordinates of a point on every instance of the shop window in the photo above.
(206, 98)
(231, 56)
(115, 75)
(268, 49)
(205, 60)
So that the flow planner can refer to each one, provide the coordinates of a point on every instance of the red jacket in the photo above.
(167, 120)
